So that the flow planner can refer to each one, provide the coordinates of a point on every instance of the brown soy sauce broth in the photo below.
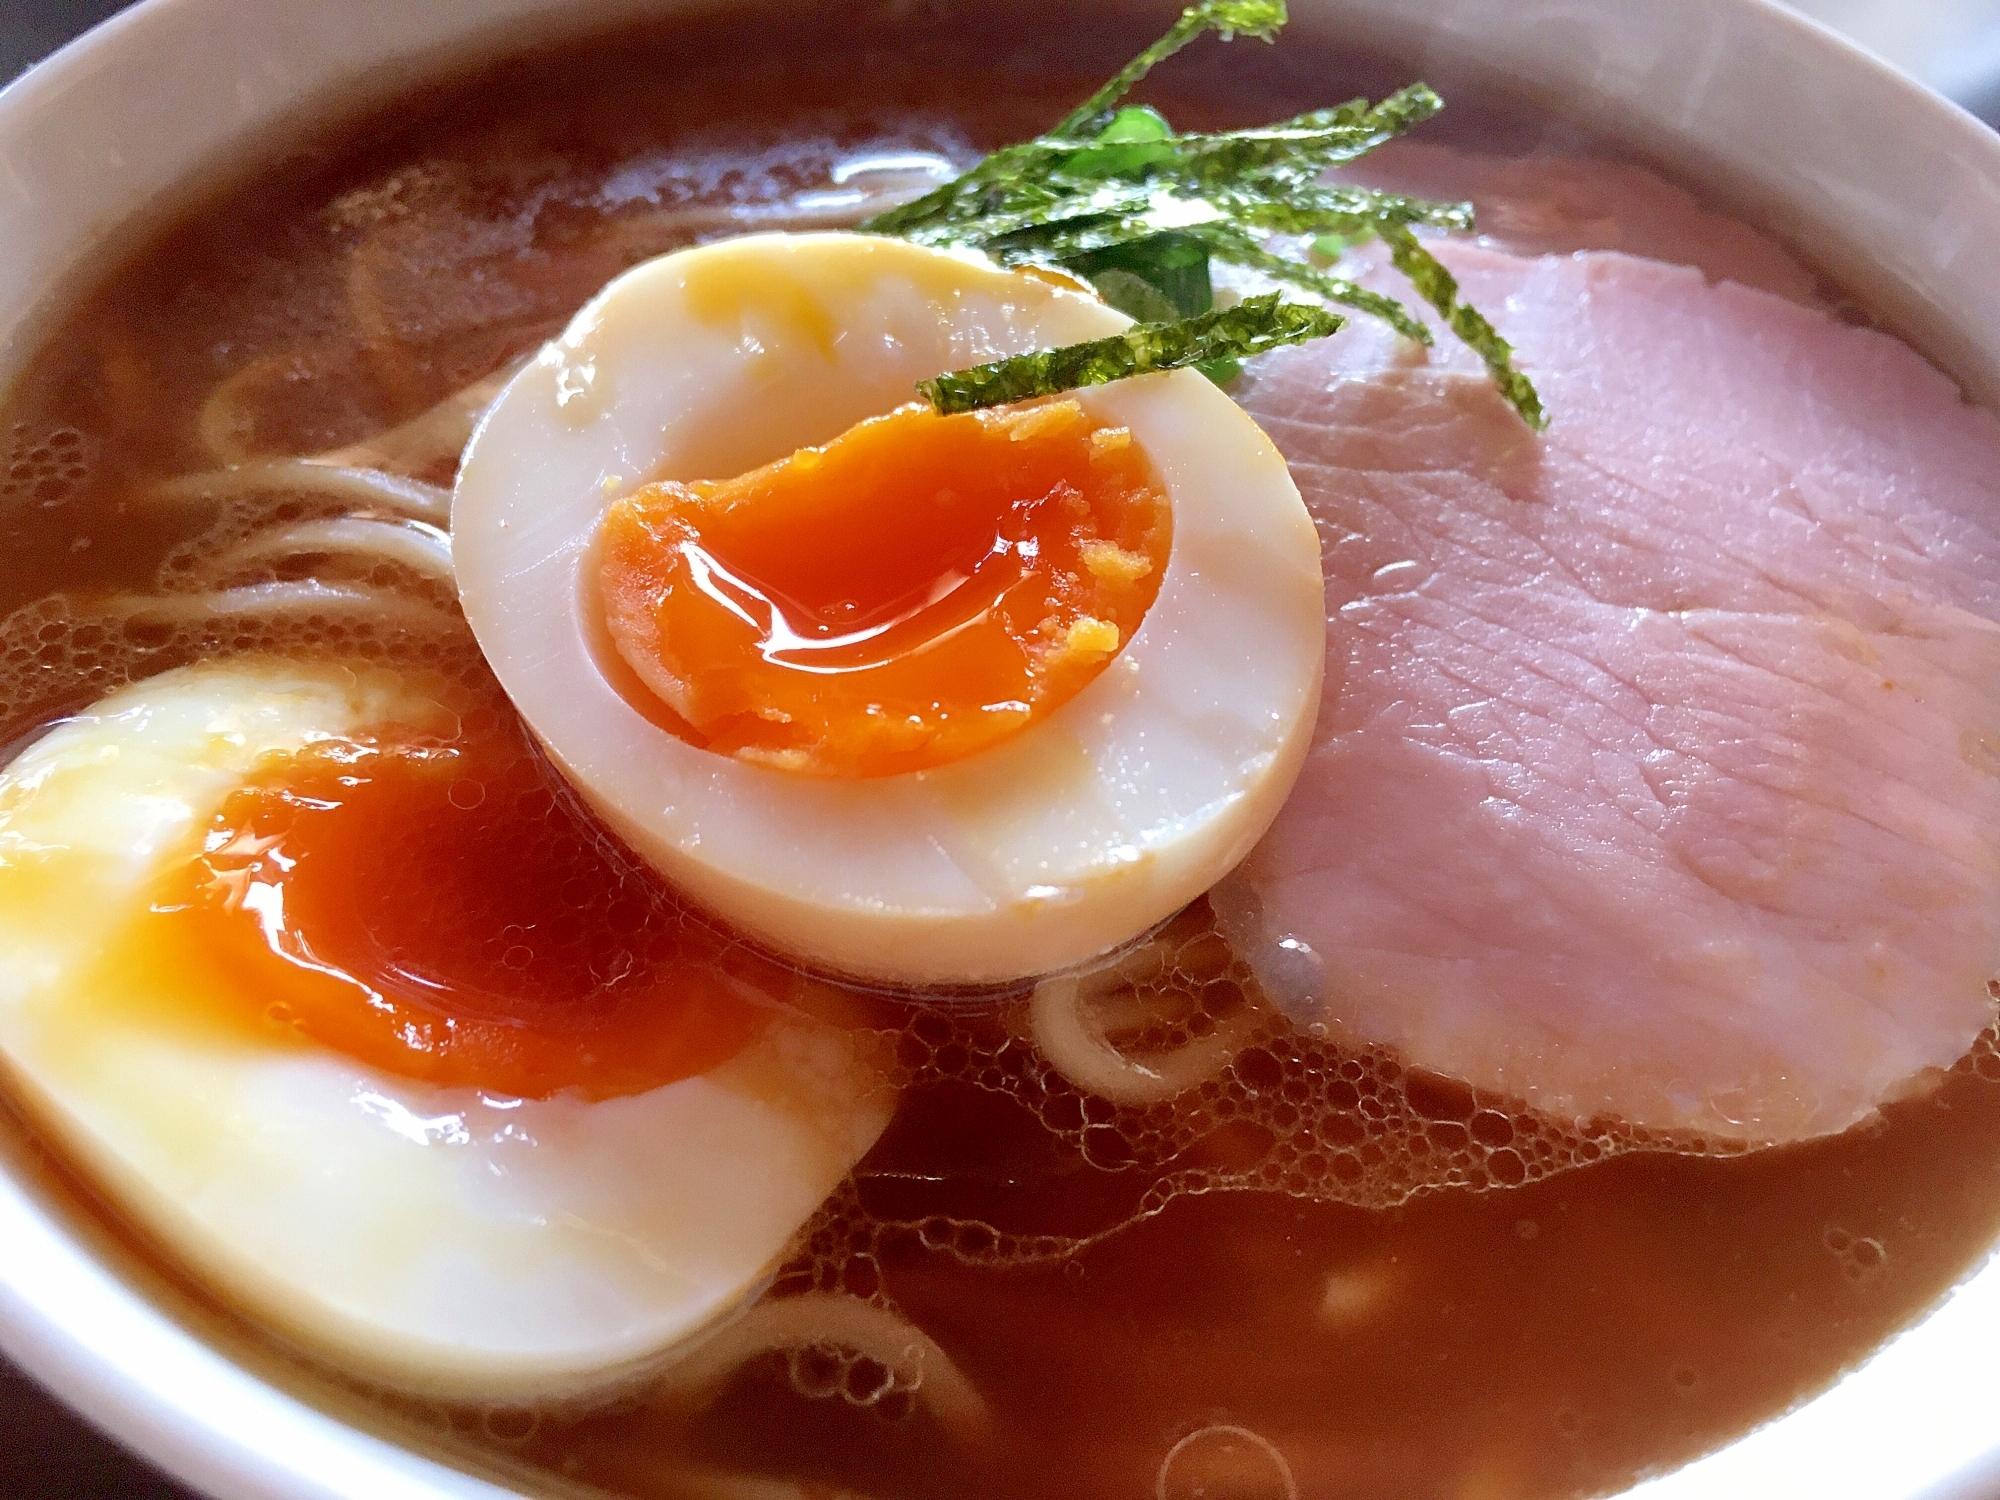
(1400, 1289)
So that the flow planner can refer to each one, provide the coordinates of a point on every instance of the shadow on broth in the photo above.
(1196, 917)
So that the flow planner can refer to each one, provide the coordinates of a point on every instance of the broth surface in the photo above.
(1395, 1287)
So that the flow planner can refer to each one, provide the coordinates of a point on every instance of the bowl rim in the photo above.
(100, 1343)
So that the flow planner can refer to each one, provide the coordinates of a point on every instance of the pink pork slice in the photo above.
(1532, 205)
(1658, 774)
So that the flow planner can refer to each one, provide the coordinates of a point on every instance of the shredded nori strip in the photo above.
(1115, 195)
(1230, 18)
(1251, 327)
(1440, 288)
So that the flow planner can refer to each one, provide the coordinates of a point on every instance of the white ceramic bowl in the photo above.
(1894, 191)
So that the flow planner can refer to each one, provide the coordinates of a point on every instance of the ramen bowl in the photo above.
(1893, 192)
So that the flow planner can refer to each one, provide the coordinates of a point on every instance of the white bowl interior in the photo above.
(1888, 189)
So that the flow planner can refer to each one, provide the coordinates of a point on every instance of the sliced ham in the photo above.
(1658, 776)
(1532, 205)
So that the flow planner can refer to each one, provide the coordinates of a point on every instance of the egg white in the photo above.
(435, 1239)
(1041, 852)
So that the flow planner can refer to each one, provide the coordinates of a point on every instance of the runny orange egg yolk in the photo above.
(441, 912)
(915, 591)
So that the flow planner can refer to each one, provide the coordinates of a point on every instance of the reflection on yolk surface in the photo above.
(919, 589)
(440, 912)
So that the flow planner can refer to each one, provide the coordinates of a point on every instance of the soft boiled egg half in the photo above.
(334, 994)
(916, 699)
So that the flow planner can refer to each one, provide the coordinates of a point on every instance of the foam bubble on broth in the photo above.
(45, 467)
(60, 654)
(1293, 1112)
(1395, 1127)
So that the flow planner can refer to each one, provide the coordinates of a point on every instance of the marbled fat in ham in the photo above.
(1658, 775)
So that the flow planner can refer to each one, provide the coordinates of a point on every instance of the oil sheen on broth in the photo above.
(1395, 1285)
